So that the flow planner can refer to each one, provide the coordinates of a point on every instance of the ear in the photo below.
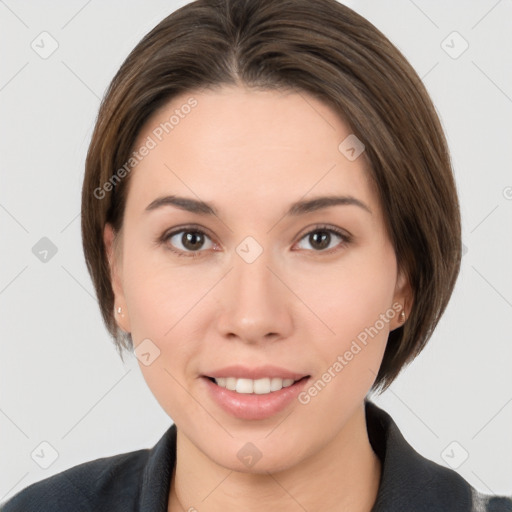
(402, 300)
(115, 266)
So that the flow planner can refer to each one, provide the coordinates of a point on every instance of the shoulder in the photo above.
(410, 481)
(485, 503)
(137, 480)
(110, 483)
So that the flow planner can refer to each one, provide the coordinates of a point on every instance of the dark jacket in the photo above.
(140, 480)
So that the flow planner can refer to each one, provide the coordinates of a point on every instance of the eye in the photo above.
(321, 238)
(192, 242)
(187, 241)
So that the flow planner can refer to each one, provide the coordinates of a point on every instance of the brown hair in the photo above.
(325, 49)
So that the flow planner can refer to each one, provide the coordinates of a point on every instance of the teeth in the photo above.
(258, 386)
(244, 386)
(230, 383)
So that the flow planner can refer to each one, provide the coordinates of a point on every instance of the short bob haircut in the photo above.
(318, 47)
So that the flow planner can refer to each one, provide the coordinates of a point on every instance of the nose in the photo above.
(256, 305)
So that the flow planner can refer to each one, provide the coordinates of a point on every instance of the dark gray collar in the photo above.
(409, 482)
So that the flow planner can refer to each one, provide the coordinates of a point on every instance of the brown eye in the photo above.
(192, 240)
(320, 239)
(325, 238)
(187, 242)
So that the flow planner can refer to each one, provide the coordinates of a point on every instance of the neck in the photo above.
(343, 476)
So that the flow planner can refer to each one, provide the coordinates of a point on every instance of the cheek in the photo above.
(351, 295)
(158, 294)
(355, 301)
(160, 302)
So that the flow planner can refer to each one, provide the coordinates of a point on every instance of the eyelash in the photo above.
(345, 239)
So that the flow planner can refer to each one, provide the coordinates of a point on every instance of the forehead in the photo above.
(235, 145)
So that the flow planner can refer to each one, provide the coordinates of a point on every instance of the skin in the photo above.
(251, 154)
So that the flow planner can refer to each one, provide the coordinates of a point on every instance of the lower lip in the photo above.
(250, 406)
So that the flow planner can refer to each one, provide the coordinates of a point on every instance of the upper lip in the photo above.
(254, 373)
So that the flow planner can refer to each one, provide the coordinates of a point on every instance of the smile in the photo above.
(259, 386)
(253, 393)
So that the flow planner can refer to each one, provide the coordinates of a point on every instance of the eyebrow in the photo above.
(298, 208)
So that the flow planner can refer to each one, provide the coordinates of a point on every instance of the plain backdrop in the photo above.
(61, 381)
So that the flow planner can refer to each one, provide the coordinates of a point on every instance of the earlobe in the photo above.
(120, 309)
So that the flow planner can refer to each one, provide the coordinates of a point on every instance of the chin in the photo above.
(260, 453)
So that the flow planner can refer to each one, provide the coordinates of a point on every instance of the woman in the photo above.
(271, 223)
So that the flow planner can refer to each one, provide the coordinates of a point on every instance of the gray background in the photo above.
(61, 381)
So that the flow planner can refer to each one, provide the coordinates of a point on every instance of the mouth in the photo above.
(254, 393)
(263, 386)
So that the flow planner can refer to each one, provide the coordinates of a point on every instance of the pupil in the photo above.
(193, 240)
(324, 242)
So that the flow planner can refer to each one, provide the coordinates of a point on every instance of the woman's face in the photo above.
(271, 288)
